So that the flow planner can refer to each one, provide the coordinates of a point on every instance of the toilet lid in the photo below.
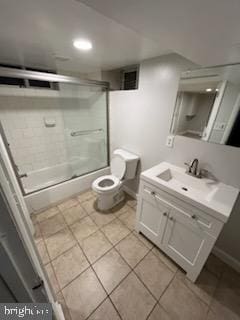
(118, 167)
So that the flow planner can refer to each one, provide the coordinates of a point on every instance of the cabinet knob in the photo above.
(153, 193)
(194, 216)
(165, 214)
(171, 218)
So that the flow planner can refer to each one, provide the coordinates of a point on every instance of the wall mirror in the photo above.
(208, 105)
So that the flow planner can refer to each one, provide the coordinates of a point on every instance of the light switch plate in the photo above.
(170, 141)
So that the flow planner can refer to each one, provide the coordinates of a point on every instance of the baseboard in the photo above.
(225, 257)
(130, 192)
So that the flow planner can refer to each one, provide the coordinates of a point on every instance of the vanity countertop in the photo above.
(213, 197)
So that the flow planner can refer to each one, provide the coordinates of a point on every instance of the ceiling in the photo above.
(206, 31)
(34, 32)
(40, 33)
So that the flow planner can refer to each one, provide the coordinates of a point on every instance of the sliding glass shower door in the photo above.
(85, 127)
(57, 133)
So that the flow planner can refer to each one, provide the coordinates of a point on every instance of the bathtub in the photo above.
(49, 176)
(49, 185)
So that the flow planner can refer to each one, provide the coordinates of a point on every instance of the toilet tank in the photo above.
(131, 162)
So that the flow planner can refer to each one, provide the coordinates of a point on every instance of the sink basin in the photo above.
(209, 195)
(180, 181)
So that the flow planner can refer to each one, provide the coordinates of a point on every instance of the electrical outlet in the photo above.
(170, 141)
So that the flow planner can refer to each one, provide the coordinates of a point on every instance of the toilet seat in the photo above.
(106, 183)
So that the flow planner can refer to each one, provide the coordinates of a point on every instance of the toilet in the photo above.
(109, 188)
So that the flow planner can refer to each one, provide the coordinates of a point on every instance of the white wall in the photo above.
(140, 122)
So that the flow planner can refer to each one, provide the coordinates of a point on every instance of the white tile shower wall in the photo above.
(34, 146)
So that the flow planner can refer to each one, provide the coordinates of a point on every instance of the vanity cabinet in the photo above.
(185, 233)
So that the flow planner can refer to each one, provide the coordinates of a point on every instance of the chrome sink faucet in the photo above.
(193, 169)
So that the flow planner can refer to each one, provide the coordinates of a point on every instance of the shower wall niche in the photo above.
(54, 135)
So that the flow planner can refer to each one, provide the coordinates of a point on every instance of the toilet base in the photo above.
(108, 201)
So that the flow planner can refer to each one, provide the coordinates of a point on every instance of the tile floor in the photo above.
(101, 269)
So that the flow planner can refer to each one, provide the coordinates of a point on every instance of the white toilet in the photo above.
(109, 188)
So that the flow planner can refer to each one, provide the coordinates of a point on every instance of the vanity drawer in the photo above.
(201, 219)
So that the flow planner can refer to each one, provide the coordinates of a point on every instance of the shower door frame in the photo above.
(58, 78)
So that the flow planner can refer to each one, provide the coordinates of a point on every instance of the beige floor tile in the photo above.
(132, 250)
(73, 214)
(226, 302)
(37, 233)
(47, 214)
(52, 278)
(222, 313)
(43, 252)
(115, 231)
(83, 295)
(59, 243)
(131, 201)
(69, 265)
(52, 225)
(145, 241)
(182, 304)
(61, 300)
(68, 204)
(159, 313)
(83, 228)
(111, 269)
(33, 217)
(102, 219)
(89, 205)
(105, 311)
(129, 218)
(154, 274)
(120, 208)
(165, 259)
(215, 265)
(86, 196)
(95, 246)
(132, 299)
(204, 287)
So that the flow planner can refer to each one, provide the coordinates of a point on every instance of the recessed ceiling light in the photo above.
(217, 90)
(209, 89)
(82, 44)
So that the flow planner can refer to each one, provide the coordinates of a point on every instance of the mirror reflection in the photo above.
(208, 105)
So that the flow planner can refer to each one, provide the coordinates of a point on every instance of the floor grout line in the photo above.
(114, 246)
(90, 266)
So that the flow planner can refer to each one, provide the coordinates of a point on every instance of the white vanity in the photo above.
(183, 215)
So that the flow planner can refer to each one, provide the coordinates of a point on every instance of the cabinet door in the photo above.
(186, 243)
(152, 219)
